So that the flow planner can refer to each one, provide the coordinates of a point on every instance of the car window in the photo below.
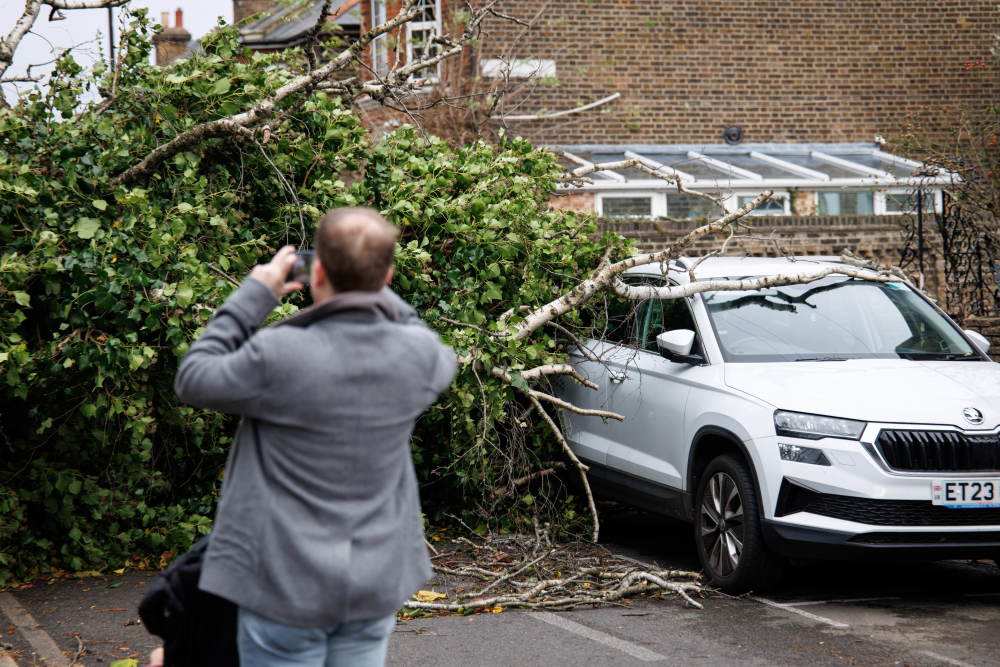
(658, 315)
(834, 317)
(637, 323)
(614, 320)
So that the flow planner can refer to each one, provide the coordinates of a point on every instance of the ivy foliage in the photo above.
(103, 287)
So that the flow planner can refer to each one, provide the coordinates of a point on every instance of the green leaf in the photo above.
(518, 381)
(184, 295)
(88, 409)
(118, 584)
(86, 228)
(221, 87)
(22, 298)
(100, 204)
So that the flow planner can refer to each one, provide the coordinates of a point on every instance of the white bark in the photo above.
(84, 4)
(603, 277)
(721, 285)
(32, 9)
(8, 45)
(538, 372)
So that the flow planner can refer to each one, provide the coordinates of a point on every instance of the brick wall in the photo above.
(810, 70)
(878, 237)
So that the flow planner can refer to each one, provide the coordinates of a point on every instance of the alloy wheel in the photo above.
(722, 526)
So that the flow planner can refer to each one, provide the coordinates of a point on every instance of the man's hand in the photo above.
(273, 273)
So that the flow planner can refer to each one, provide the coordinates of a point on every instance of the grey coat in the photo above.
(319, 520)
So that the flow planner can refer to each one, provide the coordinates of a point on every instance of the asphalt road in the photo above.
(944, 613)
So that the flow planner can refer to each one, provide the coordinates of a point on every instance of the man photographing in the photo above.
(318, 536)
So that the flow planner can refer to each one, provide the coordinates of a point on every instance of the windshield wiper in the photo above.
(821, 359)
(939, 356)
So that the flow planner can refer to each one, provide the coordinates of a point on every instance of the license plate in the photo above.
(960, 493)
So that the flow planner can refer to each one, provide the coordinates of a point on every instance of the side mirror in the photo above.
(981, 341)
(676, 346)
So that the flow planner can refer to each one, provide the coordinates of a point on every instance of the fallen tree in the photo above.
(124, 221)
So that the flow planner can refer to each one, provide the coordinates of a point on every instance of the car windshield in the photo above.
(833, 319)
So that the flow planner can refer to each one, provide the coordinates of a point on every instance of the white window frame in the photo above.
(380, 46)
(880, 200)
(851, 191)
(435, 28)
(657, 202)
(732, 202)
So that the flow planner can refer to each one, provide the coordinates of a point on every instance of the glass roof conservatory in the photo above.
(808, 179)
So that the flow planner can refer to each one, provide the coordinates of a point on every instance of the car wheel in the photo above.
(728, 529)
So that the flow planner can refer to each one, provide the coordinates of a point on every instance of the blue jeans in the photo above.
(266, 643)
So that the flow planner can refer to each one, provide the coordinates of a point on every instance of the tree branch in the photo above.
(264, 109)
(9, 44)
(557, 369)
(565, 405)
(581, 468)
(601, 279)
(84, 4)
(313, 34)
(800, 278)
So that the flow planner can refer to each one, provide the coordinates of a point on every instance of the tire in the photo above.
(732, 550)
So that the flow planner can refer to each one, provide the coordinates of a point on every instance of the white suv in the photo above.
(838, 418)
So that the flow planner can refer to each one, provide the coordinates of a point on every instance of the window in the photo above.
(658, 315)
(831, 318)
(689, 206)
(627, 207)
(845, 203)
(420, 34)
(776, 205)
(903, 201)
(380, 48)
(613, 319)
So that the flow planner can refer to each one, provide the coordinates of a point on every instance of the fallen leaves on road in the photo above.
(428, 596)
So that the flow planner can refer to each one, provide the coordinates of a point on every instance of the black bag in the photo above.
(198, 628)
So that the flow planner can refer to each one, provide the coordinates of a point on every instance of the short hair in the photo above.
(355, 247)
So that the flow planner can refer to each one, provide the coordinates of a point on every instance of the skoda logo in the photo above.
(972, 415)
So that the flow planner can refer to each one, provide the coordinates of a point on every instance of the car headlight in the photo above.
(814, 427)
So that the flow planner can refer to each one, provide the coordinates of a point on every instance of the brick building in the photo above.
(805, 71)
(672, 81)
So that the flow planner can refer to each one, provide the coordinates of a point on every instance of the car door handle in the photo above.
(618, 379)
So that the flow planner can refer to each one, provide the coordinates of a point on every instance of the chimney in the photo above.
(171, 43)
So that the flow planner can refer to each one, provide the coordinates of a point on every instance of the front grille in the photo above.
(978, 537)
(939, 451)
(794, 498)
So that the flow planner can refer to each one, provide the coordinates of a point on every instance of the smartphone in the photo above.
(302, 268)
